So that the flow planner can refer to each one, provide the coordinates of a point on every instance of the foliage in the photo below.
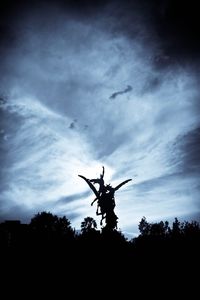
(88, 225)
(47, 223)
(163, 229)
(48, 231)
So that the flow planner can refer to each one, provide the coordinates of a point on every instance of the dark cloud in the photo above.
(2, 101)
(126, 90)
(173, 25)
(149, 186)
(17, 212)
(73, 124)
(25, 215)
(152, 84)
(188, 146)
(178, 26)
(73, 197)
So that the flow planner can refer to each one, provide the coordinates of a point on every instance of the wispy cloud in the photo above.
(126, 90)
(150, 136)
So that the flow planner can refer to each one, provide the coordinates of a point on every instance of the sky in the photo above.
(86, 84)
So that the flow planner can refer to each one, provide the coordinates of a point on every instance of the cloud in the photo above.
(74, 197)
(126, 90)
(73, 124)
(60, 68)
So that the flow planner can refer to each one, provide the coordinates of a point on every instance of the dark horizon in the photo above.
(45, 221)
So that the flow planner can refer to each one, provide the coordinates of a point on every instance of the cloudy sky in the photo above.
(113, 83)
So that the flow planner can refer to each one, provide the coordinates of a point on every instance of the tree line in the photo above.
(48, 229)
(49, 248)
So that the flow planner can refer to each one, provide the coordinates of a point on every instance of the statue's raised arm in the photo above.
(91, 186)
(120, 185)
(100, 180)
(103, 172)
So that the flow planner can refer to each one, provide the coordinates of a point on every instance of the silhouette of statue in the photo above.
(105, 198)
(100, 181)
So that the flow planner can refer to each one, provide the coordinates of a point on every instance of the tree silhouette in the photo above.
(153, 229)
(48, 227)
(44, 222)
(192, 229)
(144, 227)
(88, 225)
(176, 228)
(50, 241)
(63, 226)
